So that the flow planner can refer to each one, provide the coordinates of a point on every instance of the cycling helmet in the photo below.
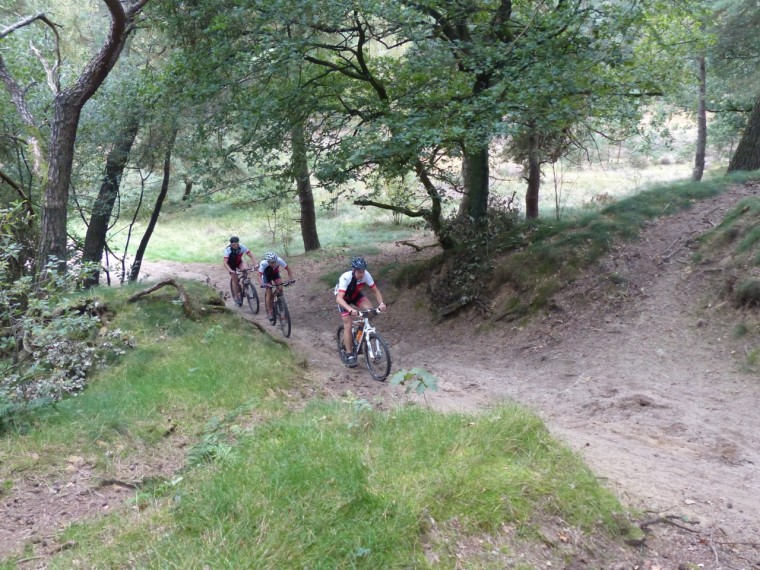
(234, 239)
(358, 263)
(270, 256)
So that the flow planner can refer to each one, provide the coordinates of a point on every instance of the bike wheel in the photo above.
(379, 362)
(284, 314)
(253, 298)
(339, 338)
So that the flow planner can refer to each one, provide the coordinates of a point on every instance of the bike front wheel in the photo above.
(284, 315)
(253, 298)
(378, 357)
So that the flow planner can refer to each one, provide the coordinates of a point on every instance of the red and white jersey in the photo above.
(352, 287)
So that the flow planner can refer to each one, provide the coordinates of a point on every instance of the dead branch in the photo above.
(120, 483)
(186, 305)
(668, 519)
(263, 330)
(414, 246)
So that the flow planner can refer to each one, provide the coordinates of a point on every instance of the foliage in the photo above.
(51, 343)
(371, 84)
(416, 380)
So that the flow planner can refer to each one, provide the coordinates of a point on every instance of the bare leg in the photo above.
(348, 341)
(235, 285)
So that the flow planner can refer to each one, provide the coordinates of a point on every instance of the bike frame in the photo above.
(243, 277)
(367, 328)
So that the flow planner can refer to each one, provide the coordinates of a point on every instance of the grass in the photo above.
(200, 233)
(180, 369)
(262, 485)
(338, 486)
(543, 255)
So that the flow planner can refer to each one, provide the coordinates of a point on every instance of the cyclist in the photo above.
(349, 292)
(233, 260)
(269, 269)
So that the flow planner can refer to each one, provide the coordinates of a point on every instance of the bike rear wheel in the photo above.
(378, 357)
(281, 309)
(253, 298)
(339, 338)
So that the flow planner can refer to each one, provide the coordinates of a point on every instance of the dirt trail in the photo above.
(641, 382)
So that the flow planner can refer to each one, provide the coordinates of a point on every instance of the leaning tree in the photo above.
(53, 151)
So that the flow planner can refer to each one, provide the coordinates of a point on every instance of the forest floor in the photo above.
(646, 382)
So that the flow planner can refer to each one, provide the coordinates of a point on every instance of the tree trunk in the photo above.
(303, 184)
(95, 239)
(188, 189)
(475, 175)
(699, 157)
(67, 107)
(55, 201)
(747, 155)
(134, 272)
(534, 178)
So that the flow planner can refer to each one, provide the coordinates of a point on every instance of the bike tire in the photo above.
(339, 338)
(284, 314)
(379, 366)
(253, 298)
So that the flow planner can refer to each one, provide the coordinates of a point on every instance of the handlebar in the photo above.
(283, 284)
(369, 313)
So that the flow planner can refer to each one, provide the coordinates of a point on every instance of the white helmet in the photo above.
(270, 256)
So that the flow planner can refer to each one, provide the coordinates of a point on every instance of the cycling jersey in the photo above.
(234, 257)
(271, 272)
(352, 287)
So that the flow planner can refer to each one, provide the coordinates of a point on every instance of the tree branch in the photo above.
(423, 213)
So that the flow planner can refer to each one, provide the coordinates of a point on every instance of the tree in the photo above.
(100, 218)
(747, 155)
(140, 253)
(699, 155)
(737, 56)
(53, 158)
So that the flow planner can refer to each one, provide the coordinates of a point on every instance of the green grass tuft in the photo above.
(336, 486)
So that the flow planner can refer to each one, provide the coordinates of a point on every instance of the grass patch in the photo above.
(339, 486)
(542, 255)
(354, 232)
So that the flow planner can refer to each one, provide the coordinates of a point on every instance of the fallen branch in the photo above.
(414, 246)
(186, 305)
(120, 483)
(668, 519)
(265, 331)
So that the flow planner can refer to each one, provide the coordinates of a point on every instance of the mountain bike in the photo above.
(280, 310)
(367, 341)
(247, 289)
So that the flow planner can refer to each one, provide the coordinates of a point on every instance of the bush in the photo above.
(468, 267)
(747, 293)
